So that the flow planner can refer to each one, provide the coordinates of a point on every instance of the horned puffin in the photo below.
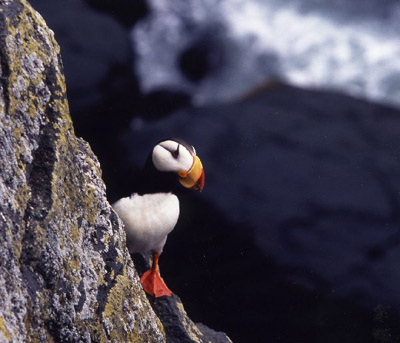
(151, 213)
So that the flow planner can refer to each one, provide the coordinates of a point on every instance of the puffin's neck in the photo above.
(154, 181)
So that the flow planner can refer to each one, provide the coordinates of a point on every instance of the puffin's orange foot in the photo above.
(154, 285)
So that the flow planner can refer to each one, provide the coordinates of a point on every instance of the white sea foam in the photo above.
(263, 40)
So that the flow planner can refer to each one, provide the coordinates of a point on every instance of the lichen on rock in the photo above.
(65, 272)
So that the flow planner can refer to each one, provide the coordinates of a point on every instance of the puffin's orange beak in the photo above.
(199, 185)
(194, 178)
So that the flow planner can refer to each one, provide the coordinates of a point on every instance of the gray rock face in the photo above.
(65, 273)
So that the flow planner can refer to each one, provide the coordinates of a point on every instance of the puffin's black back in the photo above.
(155, 181)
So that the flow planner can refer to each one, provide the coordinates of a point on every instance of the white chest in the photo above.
(148, 219)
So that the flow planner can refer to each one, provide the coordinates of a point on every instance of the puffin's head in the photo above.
(174, 155)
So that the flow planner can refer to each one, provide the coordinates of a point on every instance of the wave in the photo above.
(349, 47)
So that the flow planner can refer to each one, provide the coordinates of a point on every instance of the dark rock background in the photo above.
(298, 227)
(296, 235)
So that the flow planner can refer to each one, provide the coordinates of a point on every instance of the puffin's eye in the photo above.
(175, 153)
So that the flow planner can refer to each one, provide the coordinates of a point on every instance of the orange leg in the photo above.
(152, 282)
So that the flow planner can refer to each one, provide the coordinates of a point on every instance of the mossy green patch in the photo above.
(117, 308)
(75, 234)
(75, 262)
(4, 330)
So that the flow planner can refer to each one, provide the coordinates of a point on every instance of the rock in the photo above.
(65, 273)
(302, 185)
(177, 325)
(310, 170)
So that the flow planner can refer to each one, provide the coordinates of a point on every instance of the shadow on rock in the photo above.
(228, 283)
(177, 325)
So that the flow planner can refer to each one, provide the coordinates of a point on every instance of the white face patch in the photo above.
(168, 157)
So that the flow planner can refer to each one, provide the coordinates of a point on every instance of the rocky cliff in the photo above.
(65, 272)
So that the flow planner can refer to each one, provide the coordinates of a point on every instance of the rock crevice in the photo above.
(66, 275)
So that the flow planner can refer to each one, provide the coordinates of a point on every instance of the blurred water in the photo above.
(353, 47)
